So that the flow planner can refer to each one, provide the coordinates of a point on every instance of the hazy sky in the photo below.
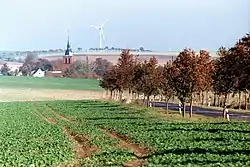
(154, 24)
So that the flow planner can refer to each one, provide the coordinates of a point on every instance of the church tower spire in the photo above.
(68, 51)
(68, 57)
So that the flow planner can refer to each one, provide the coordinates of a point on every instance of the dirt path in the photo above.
(60, 116)
(28, 94)
(47, 119)
(139, 151)
(83, 149)
(134, 163)
(82, 146)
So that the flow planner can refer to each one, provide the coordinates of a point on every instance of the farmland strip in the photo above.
(61, 116)
(82, 147)
(48, 120)
(134, 163)
(138, 150)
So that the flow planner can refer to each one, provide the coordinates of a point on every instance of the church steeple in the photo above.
(68, 51)
(68, 57)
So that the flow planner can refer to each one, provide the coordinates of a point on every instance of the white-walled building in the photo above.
(39, 73)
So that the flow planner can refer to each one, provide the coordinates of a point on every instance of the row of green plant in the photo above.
(107, 153)
(173, 143)
(27, 140)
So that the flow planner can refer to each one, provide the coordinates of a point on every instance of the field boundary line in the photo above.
(82, 147)
(60, 116)
(139, 152)
(47, 119)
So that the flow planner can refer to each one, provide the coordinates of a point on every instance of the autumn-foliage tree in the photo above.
(150, 80)
(101, 65)
(5, 70)
(232, 71)
(109, 81)
(183, 77)
(85, 68)
(224, 75)
(125, 67)
(204, 72)
(136, 85)
(188, 75)
(165, 88)
(242, 52)
(43, 64)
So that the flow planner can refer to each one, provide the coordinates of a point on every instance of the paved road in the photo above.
(205, 111)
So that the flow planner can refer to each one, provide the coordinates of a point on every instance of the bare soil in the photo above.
(27, 94)
(81, 143)
(58, 115)
(48, 120)
(82, 147)
(135, 162)
(138, 150)
(70, 165)
(162, 59)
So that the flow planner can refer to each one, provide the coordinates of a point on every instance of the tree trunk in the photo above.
(202, 98)
(111, 95)
(184, 109)
(138, 96)
(191, 107)
(147, 101)
(214, 99)
(143, 101)
(114, 95)
(218, 104)
(120, 95)
(161, 98)
(107, 94)
(245, 100)
(132, 96)
(239, 102)
(225, 105)
(200, 101)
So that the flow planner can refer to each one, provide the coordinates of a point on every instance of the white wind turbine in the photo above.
(101, 34)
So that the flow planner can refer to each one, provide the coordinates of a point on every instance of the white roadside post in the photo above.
(150, 103)
(227, 114)
(180, 107)
(209, 102)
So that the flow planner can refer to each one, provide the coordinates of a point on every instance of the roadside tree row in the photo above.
(191, 75)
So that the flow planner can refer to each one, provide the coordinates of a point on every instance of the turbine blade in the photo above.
(104, 23)
(96, 27)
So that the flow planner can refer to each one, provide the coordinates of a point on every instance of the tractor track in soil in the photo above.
(82, 146)
(47, 119)
(83, 149)
(138, 151)
(60, 116)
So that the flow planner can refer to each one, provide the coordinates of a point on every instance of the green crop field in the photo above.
(95, 133)
(49, 83)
